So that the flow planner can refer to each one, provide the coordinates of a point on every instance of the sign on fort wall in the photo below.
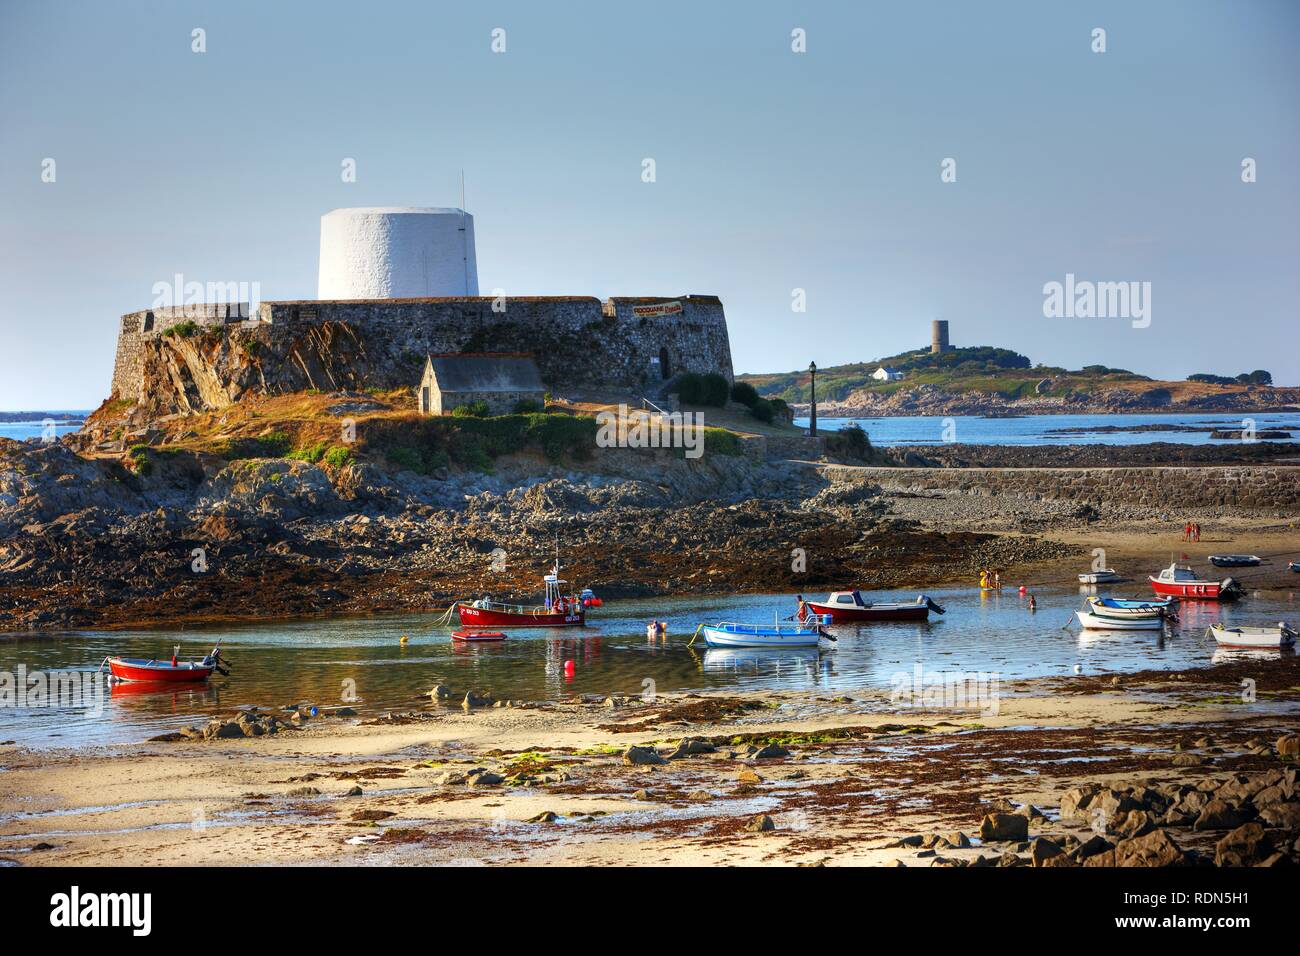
(657, 309)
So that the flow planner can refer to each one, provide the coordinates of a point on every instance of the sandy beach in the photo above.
(794, 778)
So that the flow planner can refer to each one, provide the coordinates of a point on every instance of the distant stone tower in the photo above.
(396, 252)
(939, 336)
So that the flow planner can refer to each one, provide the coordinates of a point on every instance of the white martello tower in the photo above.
(396, 252)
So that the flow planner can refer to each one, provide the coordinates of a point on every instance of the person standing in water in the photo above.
(802, 614)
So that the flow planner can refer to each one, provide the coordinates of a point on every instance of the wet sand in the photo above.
(860, 772)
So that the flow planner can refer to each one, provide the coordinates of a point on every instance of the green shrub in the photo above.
(338, 456)
(183, 329)
(719, 441)
(744, 393)
(311, 453)
(849, 442)
(762, 410)
(140, 461)
(696, 389)
(477, 409)
(271, 445)
(527, 406)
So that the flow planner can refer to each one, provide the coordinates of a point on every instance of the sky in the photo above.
(775, 170)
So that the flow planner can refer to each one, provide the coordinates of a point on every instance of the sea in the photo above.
(1181, 429)
(363, 663)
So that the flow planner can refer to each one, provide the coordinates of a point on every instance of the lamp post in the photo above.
(812, 395)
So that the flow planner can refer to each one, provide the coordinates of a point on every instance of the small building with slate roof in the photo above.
(501, 380)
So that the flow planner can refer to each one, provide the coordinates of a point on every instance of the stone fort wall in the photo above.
(577, 341)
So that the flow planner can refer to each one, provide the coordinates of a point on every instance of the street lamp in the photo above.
(812, 395)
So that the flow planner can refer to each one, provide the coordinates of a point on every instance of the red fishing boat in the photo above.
(556, 610)
(846, 607)
(172, 671)
(1180, 581)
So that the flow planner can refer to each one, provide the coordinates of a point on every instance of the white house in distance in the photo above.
(885, 374)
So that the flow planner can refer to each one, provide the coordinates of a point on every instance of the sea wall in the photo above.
(1172, 494)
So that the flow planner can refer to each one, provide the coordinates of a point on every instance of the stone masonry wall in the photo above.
(576, 341)
(1168, 492)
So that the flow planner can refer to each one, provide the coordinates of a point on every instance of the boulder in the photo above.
(690, 746)
(1091, 847)
(1004, 827)
(1284, 816)
(483, 778)
(473, 700)
(771, 751)
(1219, 815)
(1042, 849)
(749, 775)
(1074, 802)
(1245, 846)
(761, 824)
(1153, 849)
(642, 756)
(1288, 745)
(1134, 823)
(441, 692)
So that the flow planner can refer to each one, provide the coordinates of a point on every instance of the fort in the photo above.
(188, 359)
(200, 357)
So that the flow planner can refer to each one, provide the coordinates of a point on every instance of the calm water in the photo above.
(283, 663)
(1046, 429)
(22, 431)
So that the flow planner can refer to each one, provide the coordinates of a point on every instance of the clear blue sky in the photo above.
(775, 170)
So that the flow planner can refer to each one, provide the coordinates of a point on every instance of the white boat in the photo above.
(1278, 635)
(1097, 622)
(730, 634)
(1128, 610)
(1104, 576)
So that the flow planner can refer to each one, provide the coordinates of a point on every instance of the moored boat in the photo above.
(556, 610)
(1279, 635)
(1104, 576)
(174, 671)
(1294, 566)
(849, 606)
(1180, 581)
(731, 634)
(1129, 610)
(1098, 623)
(475, 635)
(1235, 560)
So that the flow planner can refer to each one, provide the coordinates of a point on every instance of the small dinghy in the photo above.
(1235, 560)
(174, 671)
(1278, 635)
(1294, 566)
(1104, 576)
(730, 634)
(468, 635)
(1096, 622)
(1128, 610)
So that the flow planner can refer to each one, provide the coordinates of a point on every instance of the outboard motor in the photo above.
(929, 602)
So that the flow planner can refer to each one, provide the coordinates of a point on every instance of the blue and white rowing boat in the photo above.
(730, 634)
(1119, 608)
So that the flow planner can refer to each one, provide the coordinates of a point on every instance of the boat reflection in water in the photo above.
(1229, 655)
(809, 662)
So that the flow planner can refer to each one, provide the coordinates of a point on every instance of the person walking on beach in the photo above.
(1187, 531)
(1196, 530)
